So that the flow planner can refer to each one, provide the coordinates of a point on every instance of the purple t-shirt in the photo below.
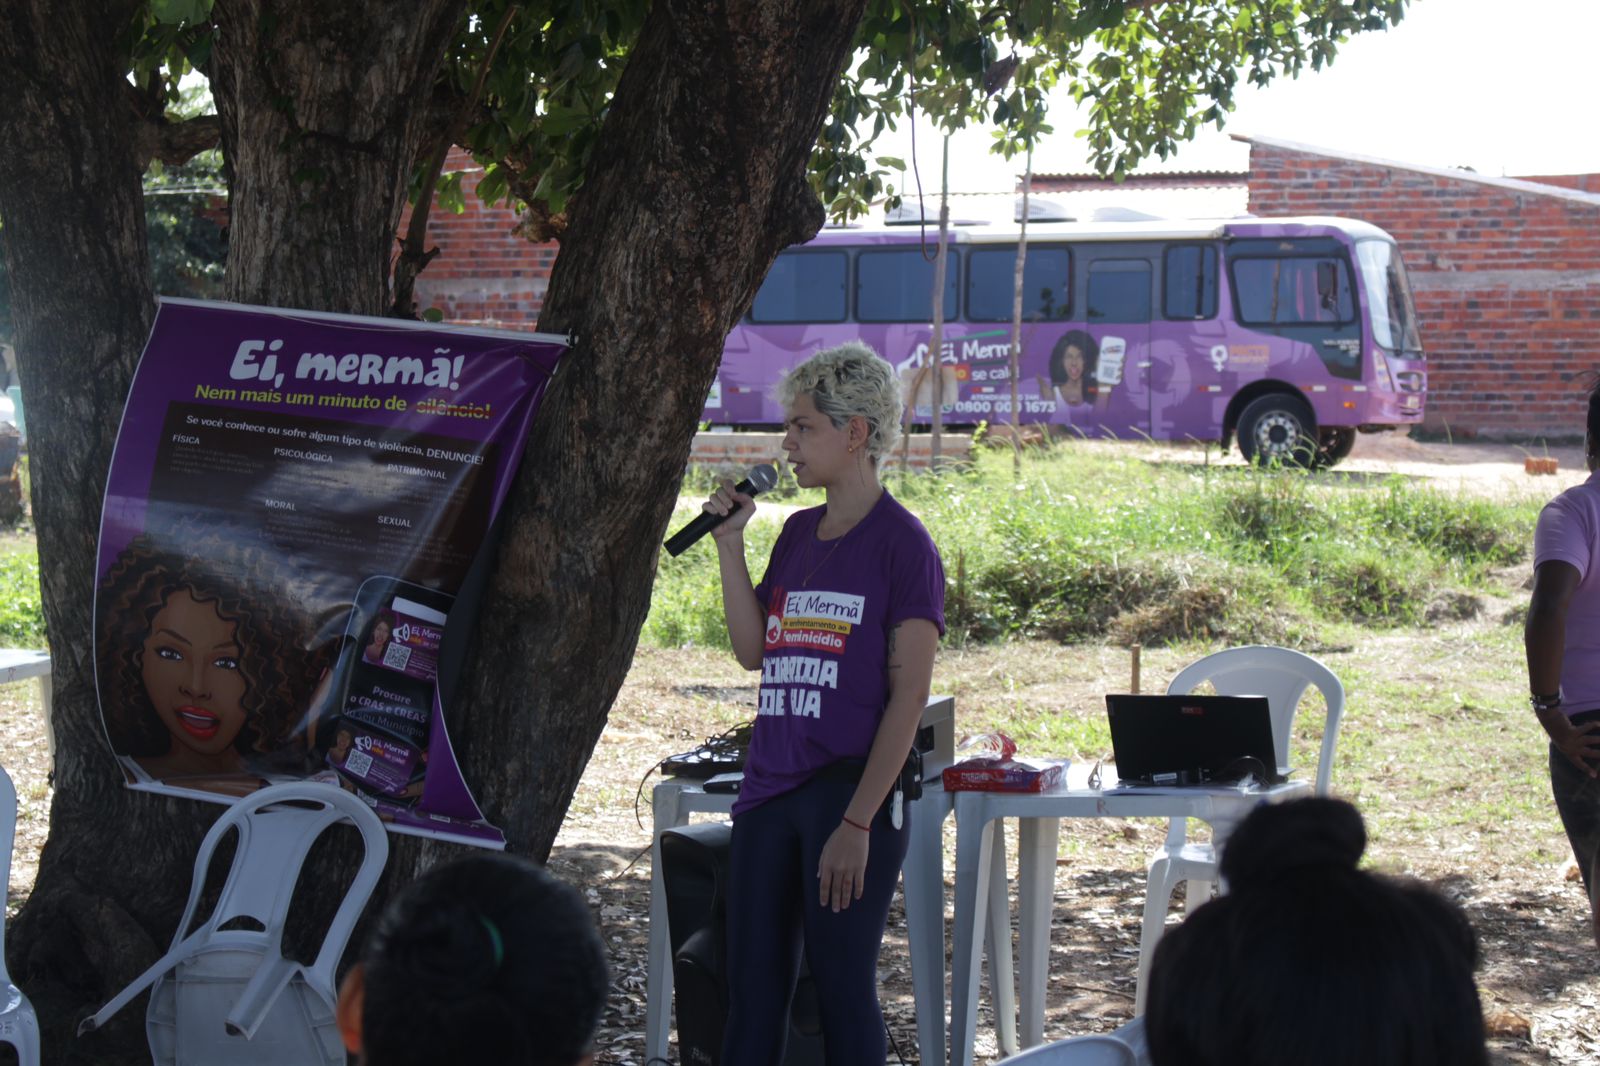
(830, 605)
(1569, 532)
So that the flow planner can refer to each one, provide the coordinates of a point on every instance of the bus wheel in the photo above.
(1334, 443)
(1280, 428)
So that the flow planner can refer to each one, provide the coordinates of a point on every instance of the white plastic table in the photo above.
(978, 854)
(19, 664)
(922, 881)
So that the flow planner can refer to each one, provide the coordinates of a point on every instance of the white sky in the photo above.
(1505, 88)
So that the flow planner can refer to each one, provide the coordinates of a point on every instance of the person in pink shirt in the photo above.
(1563, 645)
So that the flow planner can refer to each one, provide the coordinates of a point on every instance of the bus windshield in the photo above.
(1394, 316)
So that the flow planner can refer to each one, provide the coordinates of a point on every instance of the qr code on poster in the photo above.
(358, 763)
(395, 656)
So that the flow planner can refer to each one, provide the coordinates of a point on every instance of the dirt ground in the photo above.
(1541, 974)
(1539, 981)
(1479, 467)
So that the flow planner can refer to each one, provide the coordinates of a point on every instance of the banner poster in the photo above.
(293, 508)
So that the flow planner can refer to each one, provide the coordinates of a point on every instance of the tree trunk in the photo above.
(111, 876)
(1014, 357)
(697, 182)
(318, 186)
(323, 109)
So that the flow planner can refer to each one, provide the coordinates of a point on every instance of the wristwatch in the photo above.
(1541, 704)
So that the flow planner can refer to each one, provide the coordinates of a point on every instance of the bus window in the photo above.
(1190, 274)
(1119, 290)
(896, 285)
(1394, 316)
(803, 287)
(1046, 284)
(1293, 290)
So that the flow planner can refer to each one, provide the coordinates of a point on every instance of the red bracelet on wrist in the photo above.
(857, 825)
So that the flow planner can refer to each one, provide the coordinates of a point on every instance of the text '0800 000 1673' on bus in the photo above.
(1288, 334)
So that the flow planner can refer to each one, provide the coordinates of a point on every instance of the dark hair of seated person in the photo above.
(1309, 960)
(487, 959)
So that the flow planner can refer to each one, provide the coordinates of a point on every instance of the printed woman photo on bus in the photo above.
(202, 669)
(1074, 363)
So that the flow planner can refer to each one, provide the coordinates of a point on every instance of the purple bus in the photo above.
(1291, 334)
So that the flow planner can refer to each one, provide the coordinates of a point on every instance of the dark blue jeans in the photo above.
(774, 914)
(1578, 801)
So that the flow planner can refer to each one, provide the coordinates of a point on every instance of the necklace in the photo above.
(806, 580)
(810, 573)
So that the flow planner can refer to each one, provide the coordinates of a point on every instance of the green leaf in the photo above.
(180, 12)
(433, 314)
(199, 51)
(448, 193)
(493, 186)
(560, 121)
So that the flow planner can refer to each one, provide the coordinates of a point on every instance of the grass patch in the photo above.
(21, 605)
(1089, 543)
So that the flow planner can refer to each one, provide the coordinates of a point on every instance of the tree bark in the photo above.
(697, 182)
(318, 184)
(111, 875)
(323, 109)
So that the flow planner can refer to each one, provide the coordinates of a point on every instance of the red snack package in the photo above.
(1004, 775)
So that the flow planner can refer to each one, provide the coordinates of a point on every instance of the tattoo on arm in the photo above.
(894, 634)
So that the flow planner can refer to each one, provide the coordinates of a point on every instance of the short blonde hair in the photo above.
(847, 381)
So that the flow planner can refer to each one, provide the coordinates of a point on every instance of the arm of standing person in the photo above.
(744, 613)
(1544, 636)
(842, 868)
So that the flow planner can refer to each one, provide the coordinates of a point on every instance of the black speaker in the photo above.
(694, 872)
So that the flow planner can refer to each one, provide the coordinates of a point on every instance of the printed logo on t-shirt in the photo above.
(813, 619)
(792, 682)
(810, 605)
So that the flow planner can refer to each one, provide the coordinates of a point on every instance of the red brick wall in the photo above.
(1507, 282)
(484, 274)
(1581, 182)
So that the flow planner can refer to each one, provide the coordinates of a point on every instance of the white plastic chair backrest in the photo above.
(8, 839)
(1079, 1051)
(277, 827)
(1132, 1034)
(1282, 676)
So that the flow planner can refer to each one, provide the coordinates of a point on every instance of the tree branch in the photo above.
(175, 143)
(413, 260)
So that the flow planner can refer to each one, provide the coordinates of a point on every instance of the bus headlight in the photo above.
(1380, 371)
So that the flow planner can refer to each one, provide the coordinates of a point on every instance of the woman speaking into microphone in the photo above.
(843, 627)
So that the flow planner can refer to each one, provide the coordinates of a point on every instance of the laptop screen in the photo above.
(1191, 739)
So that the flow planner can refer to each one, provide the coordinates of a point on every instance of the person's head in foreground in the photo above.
(1309, 960)
(489, 959)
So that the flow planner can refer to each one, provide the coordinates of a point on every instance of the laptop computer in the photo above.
(1191, 740)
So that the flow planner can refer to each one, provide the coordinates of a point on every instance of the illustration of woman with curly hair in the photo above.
(202, 669)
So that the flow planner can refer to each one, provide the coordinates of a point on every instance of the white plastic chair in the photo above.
(228, 995)
(19, 1025)
(1125, 1047)
(1282, 675)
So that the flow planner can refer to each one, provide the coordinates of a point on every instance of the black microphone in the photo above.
(761, 479)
